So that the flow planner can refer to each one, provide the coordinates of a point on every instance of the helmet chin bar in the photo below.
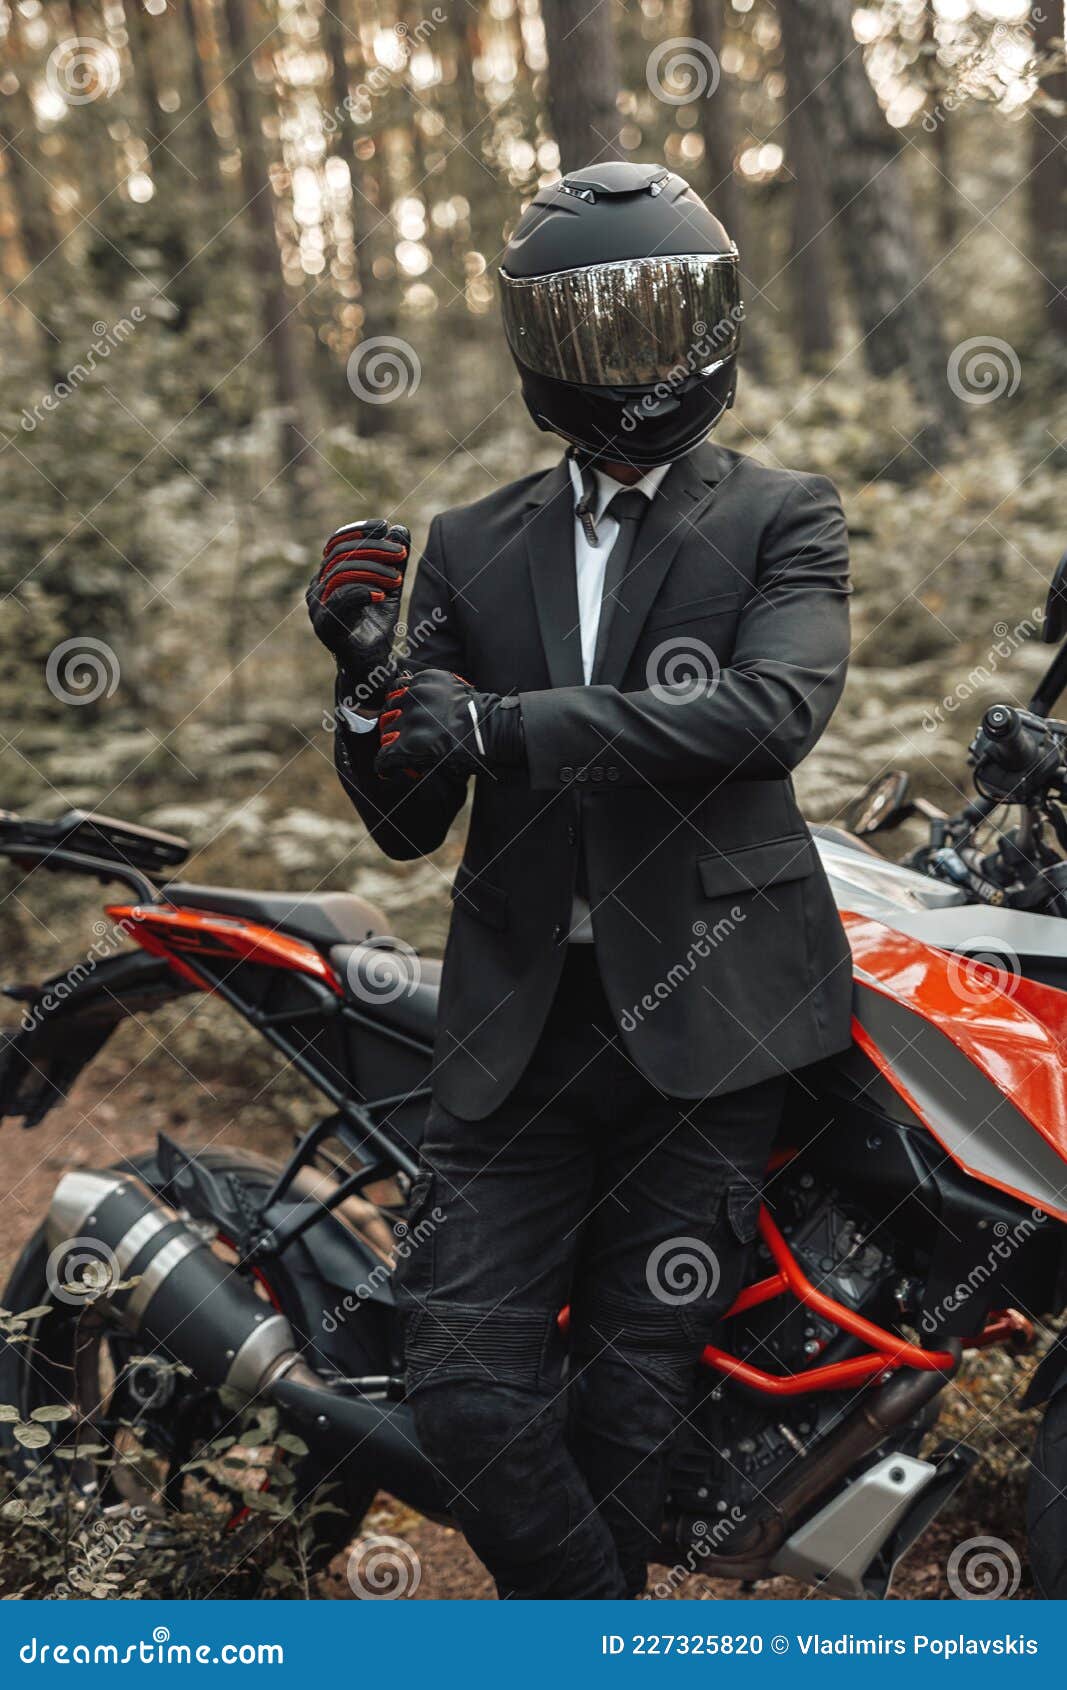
(636, 447)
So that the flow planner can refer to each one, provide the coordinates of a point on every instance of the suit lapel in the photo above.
(549, 536)
(686, 491)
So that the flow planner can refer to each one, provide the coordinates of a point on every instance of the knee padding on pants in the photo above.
(495, 1346)
(653, 1338)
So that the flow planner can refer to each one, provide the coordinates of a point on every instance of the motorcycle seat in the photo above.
(396, 986)
(322, 918)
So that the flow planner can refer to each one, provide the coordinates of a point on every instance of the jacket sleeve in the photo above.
(755, 718)
(409, 818)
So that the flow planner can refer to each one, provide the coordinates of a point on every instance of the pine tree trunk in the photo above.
(200, 148)
(39, 234)
(370, 230)
(583, 81)
(278, 348)
(1048, 167)
(716, 122)
(936, 122)
(808, 267)
(722, 190)
(874, 220)
(144, 36)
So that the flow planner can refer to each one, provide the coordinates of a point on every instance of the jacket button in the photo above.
(572, 836)
(567, 772)
(598, 772)
(581, 774)
(613, 772)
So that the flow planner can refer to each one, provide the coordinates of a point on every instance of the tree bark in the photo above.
(201, 145)
(717, 127)
(583, 81)
(144, 36)
(278, 348)
(809, 226)
(874, 220)
(370, 229)
(936, 121)
(1048, 167)
(28, 188)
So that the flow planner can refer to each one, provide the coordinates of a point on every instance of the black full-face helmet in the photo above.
(623, 312)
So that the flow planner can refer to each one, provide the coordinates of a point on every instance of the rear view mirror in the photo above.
(1054, 626)
(885, 802)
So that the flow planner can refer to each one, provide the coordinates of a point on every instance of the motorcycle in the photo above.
(914, 1206)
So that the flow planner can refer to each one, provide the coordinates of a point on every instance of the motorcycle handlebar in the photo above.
(1018, 746)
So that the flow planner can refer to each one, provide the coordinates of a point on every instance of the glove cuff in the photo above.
(502, 731)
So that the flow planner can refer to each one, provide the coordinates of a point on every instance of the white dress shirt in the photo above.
(590, 563)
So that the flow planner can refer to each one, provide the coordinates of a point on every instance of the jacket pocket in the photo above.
(742, 1210)
(692, 610)
(749, 868)
(473, 895)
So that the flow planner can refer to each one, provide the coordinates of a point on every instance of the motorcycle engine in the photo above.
(738, 1439)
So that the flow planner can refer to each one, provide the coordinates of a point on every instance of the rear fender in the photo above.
(68, 1019)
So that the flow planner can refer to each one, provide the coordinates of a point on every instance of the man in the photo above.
(643, 944)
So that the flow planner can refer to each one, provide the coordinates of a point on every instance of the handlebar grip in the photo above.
(1018, 746)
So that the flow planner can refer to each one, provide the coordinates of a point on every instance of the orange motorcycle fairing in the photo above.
(183, 935)
(978, 1055)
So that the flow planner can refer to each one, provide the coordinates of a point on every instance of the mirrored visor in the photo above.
(627, 324)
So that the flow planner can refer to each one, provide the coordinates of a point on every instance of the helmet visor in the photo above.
(628, 324)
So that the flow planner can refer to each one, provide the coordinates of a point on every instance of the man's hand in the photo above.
(354, 604)
(435, 720)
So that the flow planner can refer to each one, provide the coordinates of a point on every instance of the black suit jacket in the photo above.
(717, 938)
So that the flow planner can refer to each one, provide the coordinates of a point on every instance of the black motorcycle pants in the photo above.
(586, 1188)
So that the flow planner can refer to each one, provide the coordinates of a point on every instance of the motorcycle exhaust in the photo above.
(347, 1424)
(186, 1300)
(109, 1228)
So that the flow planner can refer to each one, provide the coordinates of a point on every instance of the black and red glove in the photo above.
(434, 720)
(354, 605)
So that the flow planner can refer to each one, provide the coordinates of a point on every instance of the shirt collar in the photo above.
(607, 486)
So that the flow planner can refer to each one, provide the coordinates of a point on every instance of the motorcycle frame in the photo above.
(188, 937)
(193, 942)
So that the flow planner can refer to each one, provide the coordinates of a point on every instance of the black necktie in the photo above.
(628, 507)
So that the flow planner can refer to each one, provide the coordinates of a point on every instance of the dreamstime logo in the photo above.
(108, 937)
(1006, 1241)
(383, 369)
(706, 1540)
(983, 369)
(82, 69)
(107, 337)
(705, 940)
(990, 969)
(383, 1569)
(366, 694)
(682, 69)
(81, 670)
(81, 1269)
(681, 670)
(708, 350)
(984, 1569)
(987, 70)
(379, 78)
(682, 1270)
(383, 970)
(101, 1549)
(1007, 641)
(406, 1240)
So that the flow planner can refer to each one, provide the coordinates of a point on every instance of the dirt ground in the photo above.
(113, 1112)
